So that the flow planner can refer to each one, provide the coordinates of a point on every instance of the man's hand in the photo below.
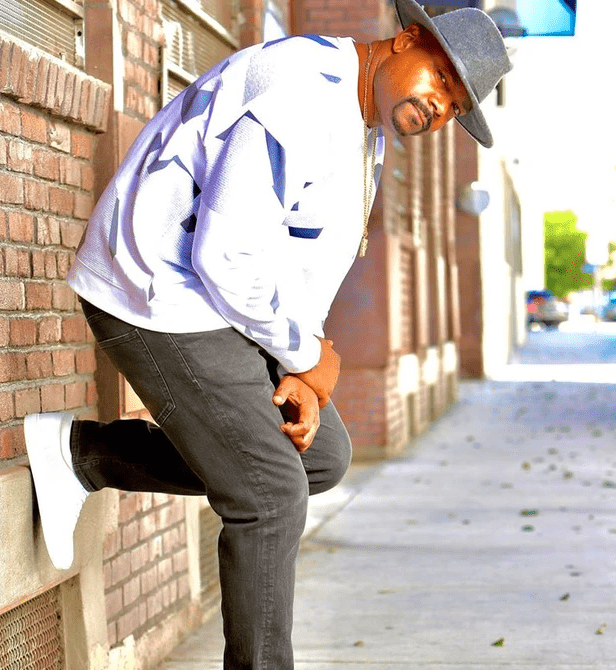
(302, 407)
(322, 377)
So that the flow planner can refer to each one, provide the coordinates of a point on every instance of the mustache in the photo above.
(423, 108)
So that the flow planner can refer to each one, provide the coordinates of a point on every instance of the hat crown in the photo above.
(477, 44)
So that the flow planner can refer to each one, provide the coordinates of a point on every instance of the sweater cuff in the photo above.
(308, 355)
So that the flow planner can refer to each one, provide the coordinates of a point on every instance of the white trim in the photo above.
(69, 6)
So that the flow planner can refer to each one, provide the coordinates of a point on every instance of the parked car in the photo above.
(609, 312)
(544, 308)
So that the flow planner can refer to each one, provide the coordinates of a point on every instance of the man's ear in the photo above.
(407, 38)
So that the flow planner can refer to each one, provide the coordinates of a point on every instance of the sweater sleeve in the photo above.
(239, 238)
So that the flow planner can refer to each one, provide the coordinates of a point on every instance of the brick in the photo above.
(15, 70)
(70, 171)
(87, 177)
(68, 93)
(16, 262)
(85, 361)
(128, 623)
(75, 395)
(130, 535)
(138, 556)
(149, 580)
(171, 540)
(131, 591)
(45, 164)
(40, 88)
(57, 99)
(36, 195)
(63, 362)
(112, 634)
(12, 367)
(82, 145)
(147, 526)
(180, 561)
(165, 570)
(51, 267)
(52, 398)
(3, 151)
(111, 545)
(59, 137)
(113, 603)
(154, 604)
(48, 231)
(52, 78)
(74, 110)
(74, 327)
(134, 44)
(145, 501)
(4, 331)
(21, 227)
(91, 395)
(7, 406)
(38, 295)
(19, 157)
(12, 189)
(49, 330)
(61, 201)
(12, 442)
(11, 295)
(63, 263)
(128, 507)
(33, 126)
(27, 401)
(155, 547)
(120, 568)
(83, 206)
(22, 332)
(38, 364)
(62, 298)
(10, 118)
(38, 264)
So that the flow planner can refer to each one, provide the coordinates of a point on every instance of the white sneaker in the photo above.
(59, 493)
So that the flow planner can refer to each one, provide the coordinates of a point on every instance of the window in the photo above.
(54, 26)
(198, 34)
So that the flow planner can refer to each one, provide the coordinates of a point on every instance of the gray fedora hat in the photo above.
(476, 48)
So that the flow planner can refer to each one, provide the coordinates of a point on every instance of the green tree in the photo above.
(565, 254)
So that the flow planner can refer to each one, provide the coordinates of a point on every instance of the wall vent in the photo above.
(53, 27)
(31, 635)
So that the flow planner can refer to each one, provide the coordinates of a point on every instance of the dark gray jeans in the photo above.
(217, 435)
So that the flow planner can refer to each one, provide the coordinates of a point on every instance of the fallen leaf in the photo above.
(601, 629)
(529, 512)
(528, 529)
(565, 596)
(499, 643)
(359, 643)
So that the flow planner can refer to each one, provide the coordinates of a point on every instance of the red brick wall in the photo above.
(49, 114)
(142, 38)
(145, 564)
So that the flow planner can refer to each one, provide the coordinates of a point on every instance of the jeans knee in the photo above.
(333, 468)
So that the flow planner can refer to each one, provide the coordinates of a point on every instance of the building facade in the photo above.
(78, 80)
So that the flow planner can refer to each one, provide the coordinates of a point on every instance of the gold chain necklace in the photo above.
(368, 177)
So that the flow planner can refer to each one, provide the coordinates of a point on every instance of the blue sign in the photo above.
(543, 18)
(589, 268)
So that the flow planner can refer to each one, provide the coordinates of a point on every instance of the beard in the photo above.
(421, 107)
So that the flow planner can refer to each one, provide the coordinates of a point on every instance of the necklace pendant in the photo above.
(363, 246)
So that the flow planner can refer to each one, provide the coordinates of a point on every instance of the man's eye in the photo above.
(443, 77)
(456, 110)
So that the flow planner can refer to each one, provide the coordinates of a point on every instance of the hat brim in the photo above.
(474, 121)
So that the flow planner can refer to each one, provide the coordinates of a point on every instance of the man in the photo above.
(206, 273)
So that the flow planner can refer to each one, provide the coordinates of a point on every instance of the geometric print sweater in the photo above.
(240, 203)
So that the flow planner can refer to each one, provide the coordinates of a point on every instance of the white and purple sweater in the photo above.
(240, 203)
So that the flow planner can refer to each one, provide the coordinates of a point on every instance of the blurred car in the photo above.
(609, 312)
(544, 308)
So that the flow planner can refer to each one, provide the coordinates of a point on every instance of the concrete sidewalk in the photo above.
(491, 544)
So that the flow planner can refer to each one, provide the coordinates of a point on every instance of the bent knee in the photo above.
(331, 468)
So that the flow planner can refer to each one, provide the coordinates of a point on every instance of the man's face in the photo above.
(416, 88)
